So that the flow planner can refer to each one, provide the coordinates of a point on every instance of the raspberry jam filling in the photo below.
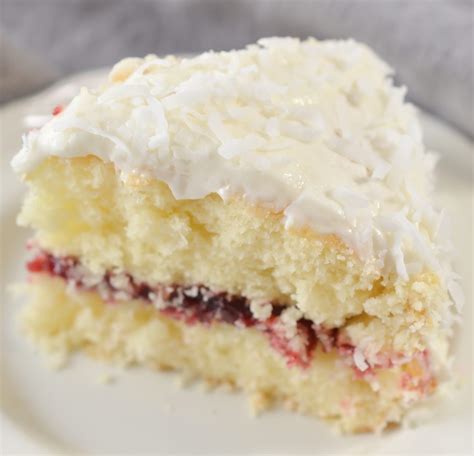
(197, 304)
(190, 304)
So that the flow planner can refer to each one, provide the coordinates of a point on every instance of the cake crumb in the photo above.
(105, 379)
(259, 402)
(289, 320)
(209, 385)
(228, 387)
(185, 379)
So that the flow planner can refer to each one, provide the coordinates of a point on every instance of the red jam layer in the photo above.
(198, 304)
(191, 304)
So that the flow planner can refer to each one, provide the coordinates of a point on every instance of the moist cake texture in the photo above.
(265, 212)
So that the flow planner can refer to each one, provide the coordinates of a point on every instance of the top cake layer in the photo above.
(313, 129)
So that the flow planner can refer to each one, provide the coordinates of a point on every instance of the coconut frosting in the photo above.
(314, 129)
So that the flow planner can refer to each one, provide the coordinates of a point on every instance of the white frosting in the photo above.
(314, 129)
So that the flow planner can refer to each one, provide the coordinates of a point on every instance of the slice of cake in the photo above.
(258, 217)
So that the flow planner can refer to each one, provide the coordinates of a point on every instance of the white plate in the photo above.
(145, 412)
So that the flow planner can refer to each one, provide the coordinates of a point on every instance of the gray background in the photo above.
(428, 42)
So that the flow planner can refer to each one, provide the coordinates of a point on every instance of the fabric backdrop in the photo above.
(428, 42)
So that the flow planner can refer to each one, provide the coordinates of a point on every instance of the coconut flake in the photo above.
(261, 309)
(359, 360)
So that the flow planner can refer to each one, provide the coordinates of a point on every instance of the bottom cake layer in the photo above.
(61, 320)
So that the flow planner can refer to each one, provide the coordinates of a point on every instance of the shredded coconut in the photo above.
(261, 310)
(359, 360)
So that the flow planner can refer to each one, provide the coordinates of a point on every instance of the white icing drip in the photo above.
(313, 129)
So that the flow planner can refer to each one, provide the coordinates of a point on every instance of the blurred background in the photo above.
(428, 42)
